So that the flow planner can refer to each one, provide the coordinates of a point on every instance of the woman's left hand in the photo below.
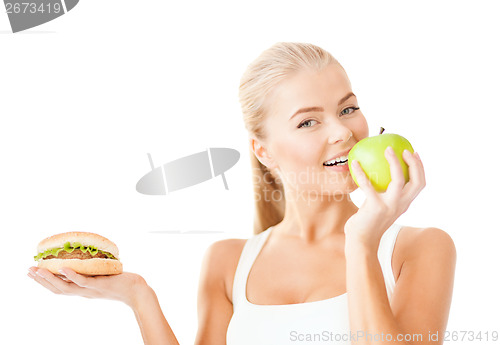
(380, 210)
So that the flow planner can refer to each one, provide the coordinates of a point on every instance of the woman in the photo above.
(318, 269)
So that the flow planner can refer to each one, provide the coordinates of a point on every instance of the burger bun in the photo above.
(92, 266)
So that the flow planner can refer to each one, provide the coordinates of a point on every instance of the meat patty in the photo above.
(76, 254)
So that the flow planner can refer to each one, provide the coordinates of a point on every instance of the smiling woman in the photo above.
(317, 266)
(304, 92)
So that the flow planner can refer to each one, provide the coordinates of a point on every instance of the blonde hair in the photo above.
(261, 76)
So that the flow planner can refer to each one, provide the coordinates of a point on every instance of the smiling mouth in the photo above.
(336, 163)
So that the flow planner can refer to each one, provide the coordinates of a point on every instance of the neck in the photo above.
(314, 218)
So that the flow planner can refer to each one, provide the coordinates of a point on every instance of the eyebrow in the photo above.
(318, 109)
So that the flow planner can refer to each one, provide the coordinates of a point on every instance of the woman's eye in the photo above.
(346, 111)
(349, 110)
(304, 123)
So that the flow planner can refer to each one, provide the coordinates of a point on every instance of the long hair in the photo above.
(261, 76)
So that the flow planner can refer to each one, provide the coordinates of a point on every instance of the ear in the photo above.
(262, 153)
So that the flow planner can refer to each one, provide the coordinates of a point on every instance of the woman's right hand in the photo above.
(125, 287)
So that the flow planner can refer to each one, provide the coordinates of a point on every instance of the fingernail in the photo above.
(406, 152)
(62, 272)
(39, 274)
(390, 150)
(31, 275)
(418, 156)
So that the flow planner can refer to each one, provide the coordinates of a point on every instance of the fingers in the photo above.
(76, 278)
(40, 279)
(64, 278)
(397, 177)
(55, 284)
(417, 175)
(363, 181)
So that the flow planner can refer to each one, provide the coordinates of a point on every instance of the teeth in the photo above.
(339, 159)
(338, 164)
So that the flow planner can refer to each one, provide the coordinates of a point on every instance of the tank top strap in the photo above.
(248, 255)
(385, 251)
(255, 243)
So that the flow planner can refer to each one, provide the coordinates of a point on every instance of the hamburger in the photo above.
(84, 252)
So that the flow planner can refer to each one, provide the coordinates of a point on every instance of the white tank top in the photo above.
(318, 322)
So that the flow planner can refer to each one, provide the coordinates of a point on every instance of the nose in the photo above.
(339, 134)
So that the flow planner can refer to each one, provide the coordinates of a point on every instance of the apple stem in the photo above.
(382, 129)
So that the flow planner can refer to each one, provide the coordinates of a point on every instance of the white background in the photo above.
(85, 97)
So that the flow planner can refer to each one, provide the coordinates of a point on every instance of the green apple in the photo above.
(369, 152)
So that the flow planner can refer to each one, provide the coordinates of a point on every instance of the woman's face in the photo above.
(313, 117)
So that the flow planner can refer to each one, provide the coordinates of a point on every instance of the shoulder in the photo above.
(225, 250)
(220, 261)
(424, 245)
(223, 254)
(432, 242)
(419, 241)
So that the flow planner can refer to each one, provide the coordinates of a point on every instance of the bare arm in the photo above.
(154, 327)
(214, 308)
(422, 295)
(129, 288)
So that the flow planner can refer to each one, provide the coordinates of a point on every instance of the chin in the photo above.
(322, 185)
(330, 191)
(351, 186)
(342, 189)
